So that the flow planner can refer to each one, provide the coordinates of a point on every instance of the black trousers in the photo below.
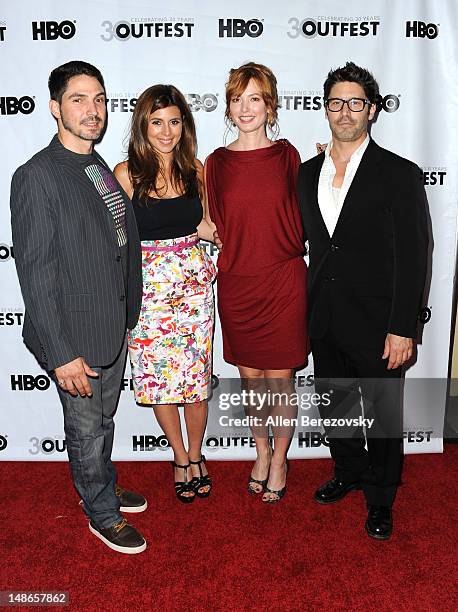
(358, 384)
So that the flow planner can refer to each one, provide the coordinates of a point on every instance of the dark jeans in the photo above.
(355, 373)
(89, 431)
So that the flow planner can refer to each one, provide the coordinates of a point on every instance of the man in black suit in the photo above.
(78, 259)
(364, 216)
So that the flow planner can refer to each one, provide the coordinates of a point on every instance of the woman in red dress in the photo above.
(251, 188)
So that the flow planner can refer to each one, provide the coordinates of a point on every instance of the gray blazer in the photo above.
(69, 263)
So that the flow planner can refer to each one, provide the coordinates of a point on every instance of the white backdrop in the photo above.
(411, 48)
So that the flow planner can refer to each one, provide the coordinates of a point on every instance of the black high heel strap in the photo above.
(182, 487)
(185, 474)
(201, 481)
(199, 463)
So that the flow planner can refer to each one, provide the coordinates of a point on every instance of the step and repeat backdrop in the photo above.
(410, 47)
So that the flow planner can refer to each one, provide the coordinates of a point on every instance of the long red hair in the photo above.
(264, 77)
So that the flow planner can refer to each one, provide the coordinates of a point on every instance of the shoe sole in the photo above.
(375, 536)
(128, 509)
(128, 550)
(186, 500)
(333, 501)
(133, 509)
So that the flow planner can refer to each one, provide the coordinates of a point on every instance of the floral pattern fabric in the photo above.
(170, 349)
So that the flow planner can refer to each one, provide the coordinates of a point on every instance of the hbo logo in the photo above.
(26, 382)
(389, 103)
(424, 315)
(419, 29)
(6, 252)
(149, 443)
(12, 106)
(3, 443)
(237, 28)
(51, 30)
(207, 102)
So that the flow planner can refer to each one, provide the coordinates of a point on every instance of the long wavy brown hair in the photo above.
(144, 163)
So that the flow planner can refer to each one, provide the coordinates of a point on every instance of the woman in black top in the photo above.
(170, 349)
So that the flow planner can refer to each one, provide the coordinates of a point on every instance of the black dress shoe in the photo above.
(333, 490)
(379, 524)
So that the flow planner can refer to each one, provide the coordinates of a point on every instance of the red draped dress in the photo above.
(261, 272)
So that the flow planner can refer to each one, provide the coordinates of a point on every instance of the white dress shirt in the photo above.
(331, 199)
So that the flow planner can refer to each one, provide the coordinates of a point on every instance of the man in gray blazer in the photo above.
(78, 259)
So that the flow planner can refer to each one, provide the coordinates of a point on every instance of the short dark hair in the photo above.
(60, 76)
(354, 74)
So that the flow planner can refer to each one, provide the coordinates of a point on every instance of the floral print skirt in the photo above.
(170, 349)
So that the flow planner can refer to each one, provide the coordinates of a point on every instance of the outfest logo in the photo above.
(313, 27)
(147, 27)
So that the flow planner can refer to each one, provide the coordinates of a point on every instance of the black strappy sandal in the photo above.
(184, 487)
(280, 493)
(274, 500)
(198, 482)
(262, 483)
(253, 481)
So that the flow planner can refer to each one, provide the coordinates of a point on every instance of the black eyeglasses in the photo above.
(356, 105)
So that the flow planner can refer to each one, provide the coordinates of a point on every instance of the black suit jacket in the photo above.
(69, 263)
(367, 279)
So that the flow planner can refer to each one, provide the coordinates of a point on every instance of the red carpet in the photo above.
(231, 552)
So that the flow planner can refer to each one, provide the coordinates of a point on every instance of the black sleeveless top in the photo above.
(160, 219)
